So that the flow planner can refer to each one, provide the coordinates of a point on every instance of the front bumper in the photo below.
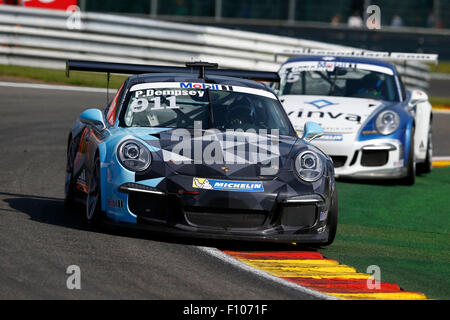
(281, 217)
(370, 159)
(312, 239)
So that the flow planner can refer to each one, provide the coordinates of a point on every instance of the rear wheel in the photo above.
(93, 208)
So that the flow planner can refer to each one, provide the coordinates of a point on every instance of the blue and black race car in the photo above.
(200, 151)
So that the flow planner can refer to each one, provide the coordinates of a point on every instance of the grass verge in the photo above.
(440, 101)
(77, 78)
(404, 230)
(443, 67)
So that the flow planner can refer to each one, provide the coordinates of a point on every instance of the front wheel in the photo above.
(332, 219)
(410, 178)
(428, 164)
(69, 199)
(93, 201)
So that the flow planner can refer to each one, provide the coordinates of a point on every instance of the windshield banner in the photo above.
(140, 88)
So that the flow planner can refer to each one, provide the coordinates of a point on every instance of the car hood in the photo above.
(341, 118)
(203, 153)
(336, 115)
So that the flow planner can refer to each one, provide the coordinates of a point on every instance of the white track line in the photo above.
(262, 274)
(441, 111)
(441, 158)
(51, 87)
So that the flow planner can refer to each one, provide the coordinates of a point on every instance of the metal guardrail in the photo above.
(41, 38)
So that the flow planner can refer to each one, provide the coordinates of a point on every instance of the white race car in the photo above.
(373, 126)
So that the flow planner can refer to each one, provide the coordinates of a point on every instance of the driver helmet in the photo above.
(242, 113)
(370, 82)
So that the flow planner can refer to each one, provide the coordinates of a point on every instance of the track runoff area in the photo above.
(317, 272)
(309, 269)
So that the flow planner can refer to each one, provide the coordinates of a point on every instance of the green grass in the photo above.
(443, 67)
(404, 230)
(440, 101)
(77, 78)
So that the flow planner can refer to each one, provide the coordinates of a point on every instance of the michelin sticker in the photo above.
(227, 185)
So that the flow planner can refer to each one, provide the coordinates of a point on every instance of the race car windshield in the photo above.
(339, 82)
(218, 109)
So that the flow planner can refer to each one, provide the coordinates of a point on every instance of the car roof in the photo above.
(344, 59)
(185, 77)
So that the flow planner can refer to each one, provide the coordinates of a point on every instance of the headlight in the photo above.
(309, 167)
(387, 122)
(134, 156)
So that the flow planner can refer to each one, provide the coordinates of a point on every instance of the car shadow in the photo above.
(44, 209)
(52, 211)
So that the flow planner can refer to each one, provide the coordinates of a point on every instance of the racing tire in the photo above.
(410, 178)
(69, 198)
(94, 215)
(426, 166)
(332, 219)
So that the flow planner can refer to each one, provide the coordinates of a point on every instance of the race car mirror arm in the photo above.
(417, 96)
(93, 117)
(311, 131)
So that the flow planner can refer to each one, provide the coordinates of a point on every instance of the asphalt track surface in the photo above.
(39, 239)
(439, 88)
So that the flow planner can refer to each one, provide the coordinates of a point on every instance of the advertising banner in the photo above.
(45, 4)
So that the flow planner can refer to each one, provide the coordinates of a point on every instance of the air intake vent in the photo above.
(339, 161)
(225, 219)
(374, 158)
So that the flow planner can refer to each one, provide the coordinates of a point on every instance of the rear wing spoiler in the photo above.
(200, 69)
(380, 55)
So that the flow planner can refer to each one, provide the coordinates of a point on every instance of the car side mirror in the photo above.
(93, 117)
(311, 131)
(417, 96)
